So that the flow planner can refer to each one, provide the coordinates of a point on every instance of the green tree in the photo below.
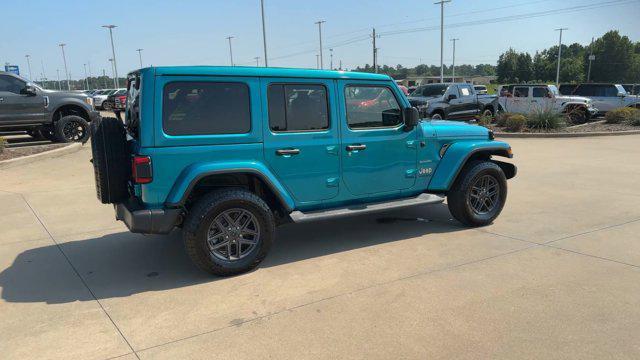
(614, 58)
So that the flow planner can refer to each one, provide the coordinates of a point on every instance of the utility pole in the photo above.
(58, 74)
(264, 34)
(331, 59)
(44, 76)
(257, 59)
(86, 78)
(375, 52)
(104, 79)
(317, 61)
(29, 66)
(230, 49)
(320, 22)
(113, 52)
(140, 56)
(340, 68)
(64, 59)
(453, 65)
(113, 72)
(442, 2)
(559, 55)
(89, 66)
(591, 58)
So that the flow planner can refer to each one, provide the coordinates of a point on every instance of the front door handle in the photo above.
(1, 99)
(356, 147)
(283, 152)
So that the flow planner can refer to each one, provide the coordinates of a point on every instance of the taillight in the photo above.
(141, 170)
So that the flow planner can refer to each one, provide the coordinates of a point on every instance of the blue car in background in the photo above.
(229, 153)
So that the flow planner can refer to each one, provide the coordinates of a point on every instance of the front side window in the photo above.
(371, 107)
(540, 92)
(11, 84)
(206, 108)
(297, 107)
(521, 92)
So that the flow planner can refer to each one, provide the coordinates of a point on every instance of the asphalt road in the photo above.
(556, 276)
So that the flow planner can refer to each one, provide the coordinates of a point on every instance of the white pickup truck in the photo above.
(525, 99)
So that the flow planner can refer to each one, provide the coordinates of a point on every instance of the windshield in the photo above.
(554, 89)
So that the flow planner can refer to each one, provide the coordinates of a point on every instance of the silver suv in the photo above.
(607, 97)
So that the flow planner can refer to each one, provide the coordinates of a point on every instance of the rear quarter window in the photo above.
(206, 108)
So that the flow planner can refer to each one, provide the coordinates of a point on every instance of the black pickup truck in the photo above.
(60, 116)
(457, 101)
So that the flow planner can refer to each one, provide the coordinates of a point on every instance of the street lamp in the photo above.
(331, 59)
(264, 34)
(442, 2)
(86, 78)
(320, 22)
(453, 65)
(115, 82)
(140, 56)
(64, 59)
(29, 66)
(559, 55)
(113, 52)
(230, 49)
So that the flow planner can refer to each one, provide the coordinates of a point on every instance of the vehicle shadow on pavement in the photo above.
(122, 264)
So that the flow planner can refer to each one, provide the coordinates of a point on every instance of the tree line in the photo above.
(401, 72)
(617, 59)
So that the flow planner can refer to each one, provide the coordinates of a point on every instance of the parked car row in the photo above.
(455, 101)
(605, 97)
(103, 99)
(60, 116)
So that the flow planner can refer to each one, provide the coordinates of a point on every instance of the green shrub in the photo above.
(515, 122)
(619, 115)
(501, 119)
(2, 144)
(485, 121)
(545, 120)
(635, 118)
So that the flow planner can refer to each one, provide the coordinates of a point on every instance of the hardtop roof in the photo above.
(264, 72)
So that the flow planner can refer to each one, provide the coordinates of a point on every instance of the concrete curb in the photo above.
(69, 149)
(566, 135)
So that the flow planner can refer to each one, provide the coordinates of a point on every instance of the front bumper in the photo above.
(593, 111)
(147, 221)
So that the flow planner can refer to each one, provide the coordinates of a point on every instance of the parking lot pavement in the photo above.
(557, 275)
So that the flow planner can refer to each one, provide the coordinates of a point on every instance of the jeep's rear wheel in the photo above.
(71, 128)
(478, 194)
(228, 232)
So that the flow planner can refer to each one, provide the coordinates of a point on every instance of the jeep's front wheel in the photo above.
(478, 194)
(228, 232)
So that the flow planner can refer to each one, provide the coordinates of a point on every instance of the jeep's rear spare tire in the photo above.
(111, 160)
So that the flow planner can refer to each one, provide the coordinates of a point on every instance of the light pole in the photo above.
(86, 78)
(64, 59)
(140, 56)
(230, 49)
(442, 2)
(104, 79)
(257, 59)
(58, 74)
(320, 22)
(113, 52)
(331, 59)
(29, 66)
(453, 65)
(264, 35)
(591, 58)
(115, 82)
(89, 66)
(44, 76)
(559, 55)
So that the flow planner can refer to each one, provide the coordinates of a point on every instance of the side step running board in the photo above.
(299, 216)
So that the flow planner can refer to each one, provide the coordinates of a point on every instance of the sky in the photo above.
(192, 32)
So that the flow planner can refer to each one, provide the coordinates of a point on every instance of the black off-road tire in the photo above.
(111, 160)
(71, 128)
(458, 198)
(204, 212)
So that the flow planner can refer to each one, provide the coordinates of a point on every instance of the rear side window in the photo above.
(465, 90)
(206, 108)
(297, 107)
(539, 92)
(371, 107)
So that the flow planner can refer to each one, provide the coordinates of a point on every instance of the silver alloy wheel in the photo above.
(233, 234)
(487, 113)
(436, 116)
(484, 195)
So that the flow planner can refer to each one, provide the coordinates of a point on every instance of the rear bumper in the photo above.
(147, 221)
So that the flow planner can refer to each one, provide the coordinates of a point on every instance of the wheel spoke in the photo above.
(237, 231)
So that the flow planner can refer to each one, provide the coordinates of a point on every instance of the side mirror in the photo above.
(411, 118)
(29, 90)
(451, 97)
(621, 94)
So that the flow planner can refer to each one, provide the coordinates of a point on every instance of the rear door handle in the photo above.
(283, 152)
(356, 147)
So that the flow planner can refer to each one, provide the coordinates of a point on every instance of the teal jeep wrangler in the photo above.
(229, 153)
